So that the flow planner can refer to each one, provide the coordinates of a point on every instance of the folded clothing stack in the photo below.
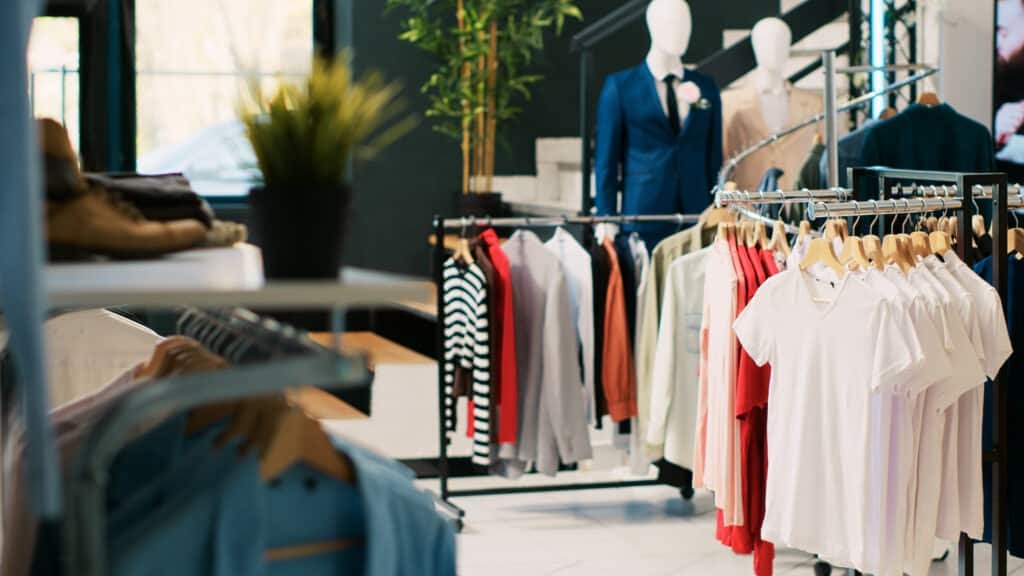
(160, 197)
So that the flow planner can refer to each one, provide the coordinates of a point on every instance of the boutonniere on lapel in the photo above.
(691, 94)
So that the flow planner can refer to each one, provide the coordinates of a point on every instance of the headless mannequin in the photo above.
(772, 41)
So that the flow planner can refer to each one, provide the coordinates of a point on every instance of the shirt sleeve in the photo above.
(898, 358)
(756, 327)
(995, 334)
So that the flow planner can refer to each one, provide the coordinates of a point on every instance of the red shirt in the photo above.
(618, 374)
(505, 373)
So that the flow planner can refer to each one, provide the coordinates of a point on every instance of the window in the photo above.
(53, 72)
(194, 60)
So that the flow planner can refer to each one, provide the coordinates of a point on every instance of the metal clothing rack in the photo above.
(992, 186)
(442, 225)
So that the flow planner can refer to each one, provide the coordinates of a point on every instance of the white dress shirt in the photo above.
(660, 70)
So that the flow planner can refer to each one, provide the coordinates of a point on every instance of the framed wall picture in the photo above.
(1008, 90)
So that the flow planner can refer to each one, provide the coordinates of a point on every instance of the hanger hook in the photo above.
(856, 219)
(906, 220)
(895, 218)
(874, 207)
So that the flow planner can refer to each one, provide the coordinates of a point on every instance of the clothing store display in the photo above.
(579, 275)
(618, 372)
(91, 223)
(744, 126)
(552, 424)
(502, 300)
(638, 153)
(159, 197)
(467, 351)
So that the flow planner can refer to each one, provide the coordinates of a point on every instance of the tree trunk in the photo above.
(481, 117)
(461, 15)
(492, 121)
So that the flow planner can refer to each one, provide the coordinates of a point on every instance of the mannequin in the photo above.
(656, 167)
(766, 105)
(772, 41)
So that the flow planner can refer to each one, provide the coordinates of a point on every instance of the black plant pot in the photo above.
(481, 204)
(301, 231)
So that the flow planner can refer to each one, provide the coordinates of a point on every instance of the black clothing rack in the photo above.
(997, 458)
(441, 225)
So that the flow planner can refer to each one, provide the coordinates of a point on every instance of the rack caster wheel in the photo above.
(822, 568)
(686, 493)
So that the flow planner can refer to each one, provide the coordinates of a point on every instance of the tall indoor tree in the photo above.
(484, 49)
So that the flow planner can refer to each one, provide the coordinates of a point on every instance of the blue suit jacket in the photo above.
(657, 171)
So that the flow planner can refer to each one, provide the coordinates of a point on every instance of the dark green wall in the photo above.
(397, 193)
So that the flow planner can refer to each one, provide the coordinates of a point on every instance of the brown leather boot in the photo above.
(94, 223)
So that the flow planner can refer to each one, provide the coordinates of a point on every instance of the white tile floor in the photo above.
(646, 531)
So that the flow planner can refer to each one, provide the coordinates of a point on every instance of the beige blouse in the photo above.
(744, 126)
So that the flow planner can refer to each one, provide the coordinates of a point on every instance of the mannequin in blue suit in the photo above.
(659, 168)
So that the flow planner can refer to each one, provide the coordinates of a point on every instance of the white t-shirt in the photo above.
(930, 423)
(831, 347)
(997, 348)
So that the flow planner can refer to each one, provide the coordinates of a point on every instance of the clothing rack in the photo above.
(297, 363)
(994, 186)
(829, 116)
(442, 225)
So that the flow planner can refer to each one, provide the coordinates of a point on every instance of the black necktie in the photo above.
(670, 101)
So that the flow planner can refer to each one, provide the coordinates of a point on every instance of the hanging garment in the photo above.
(494, 326)
(187, 517)
(501, 300)
(553, 423)
(929, 138)
(811, 175)
(619, 374)
(657, 170)
(792, 322)
(578, 271)
(850, 148)
(744, 126)
(1015, 506)
(649, 304)
(675, 378)
(601, 267)
(467, 362)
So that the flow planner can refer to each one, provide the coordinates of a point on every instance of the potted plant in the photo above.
(304, 135)
(484, 49)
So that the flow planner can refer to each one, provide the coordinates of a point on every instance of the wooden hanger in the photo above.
(298, 439)
(713, 216)
(853, 252)
(726, 230)
(954, 228)
(940, 242)
(920, 244)
(894, 254)
(873, 249)
(928, 99)
(889, 112)
(761, 241)
(805, 229)
(311, 549)
(820, 252)
(978, 225)
(779, 242)
(818, 139)
(1015, 241)
(931, 224)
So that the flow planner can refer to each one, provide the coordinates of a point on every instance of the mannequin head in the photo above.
(772, 41)
(670, 24)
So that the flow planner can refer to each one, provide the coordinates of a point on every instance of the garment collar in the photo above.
(659, 69)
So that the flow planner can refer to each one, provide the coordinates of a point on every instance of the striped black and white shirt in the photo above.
(467, 349)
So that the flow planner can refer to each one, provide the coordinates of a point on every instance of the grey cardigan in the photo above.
(552, 417)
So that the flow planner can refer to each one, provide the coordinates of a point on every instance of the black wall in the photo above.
(399, 192)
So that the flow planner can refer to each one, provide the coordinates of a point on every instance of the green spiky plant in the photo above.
(484, 49)
(305, 132)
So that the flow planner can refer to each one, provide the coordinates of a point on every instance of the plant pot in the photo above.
(481, 204)
(301, 232)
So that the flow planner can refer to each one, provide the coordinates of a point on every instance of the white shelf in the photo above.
(311, 295)
(219, 278)
(239, 267)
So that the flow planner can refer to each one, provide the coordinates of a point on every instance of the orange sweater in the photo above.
(618, 374)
